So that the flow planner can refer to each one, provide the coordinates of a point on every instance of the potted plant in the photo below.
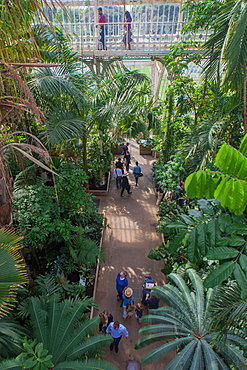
(146, 146)
(117, 145)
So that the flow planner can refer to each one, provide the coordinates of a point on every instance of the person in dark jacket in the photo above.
(127, 160)
(152, 301)
(125, 185)
(119, 164)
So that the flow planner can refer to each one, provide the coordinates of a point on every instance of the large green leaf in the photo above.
(231, 162)
(224, 220)
(243, 261)
(235, 241)
(243, 146)
(184, 357)
(176, 242)
(219, 274)
(85, 365)
(241, 279)
(193, 247)
(221, 253)
(200, 184)
(213, 231)
(203, 239)
(163, 349)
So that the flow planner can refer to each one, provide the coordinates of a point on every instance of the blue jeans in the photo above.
(118, 181)
(116, 341)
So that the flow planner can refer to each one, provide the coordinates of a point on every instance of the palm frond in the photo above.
(183, 359)
(234, 356)
(85, 365)
(156, 353)
(91, 344)
(62, 126)
(13, 272)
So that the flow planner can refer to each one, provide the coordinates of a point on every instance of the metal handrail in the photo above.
(145, 35)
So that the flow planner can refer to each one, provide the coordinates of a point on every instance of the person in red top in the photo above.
(101, 24)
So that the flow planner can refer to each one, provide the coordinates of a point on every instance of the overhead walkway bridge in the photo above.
(156, 26)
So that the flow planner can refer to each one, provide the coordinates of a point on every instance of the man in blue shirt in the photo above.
(116, 330)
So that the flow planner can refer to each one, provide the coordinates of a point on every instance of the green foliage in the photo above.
(39, 215)
(228, 309)
(13, 270)
(65, 342)
(168, 174)
(204, 234)
(228, 184)
(35, 356)
(183, 324)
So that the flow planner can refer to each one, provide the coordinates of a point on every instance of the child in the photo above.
(139, 311)
(106, 319)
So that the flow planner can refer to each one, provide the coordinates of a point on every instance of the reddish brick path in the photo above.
(127, 241)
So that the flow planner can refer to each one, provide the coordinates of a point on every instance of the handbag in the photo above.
(129, 308)
(140, 174)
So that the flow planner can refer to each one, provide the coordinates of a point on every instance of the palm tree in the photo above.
(79, 104)
(13, 274)
(227, 309)
(225, 51)
(64, 330)
(184, 325)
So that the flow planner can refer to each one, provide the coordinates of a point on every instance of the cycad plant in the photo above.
(62, 332)
(184, 325)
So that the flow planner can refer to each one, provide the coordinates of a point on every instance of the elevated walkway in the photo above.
(127, 241)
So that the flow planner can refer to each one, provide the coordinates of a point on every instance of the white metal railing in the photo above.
(148, 36)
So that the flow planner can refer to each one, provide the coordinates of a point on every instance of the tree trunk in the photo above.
(84, 156)
(5, 195)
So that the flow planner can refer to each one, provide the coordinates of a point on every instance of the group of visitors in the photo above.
(125, 296)
(127, 38)
(121, 177)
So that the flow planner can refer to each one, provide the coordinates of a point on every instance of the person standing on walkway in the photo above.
(127, 34)
(125, 185)
(116, 330)
(128, 303)
(125, 148)
(139, 311)
(101, 24)
(127, 160)
(121, 283)
(137, 171)
(118, 175)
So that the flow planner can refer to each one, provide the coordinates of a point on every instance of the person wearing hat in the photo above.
(125, 184)
(128, 303)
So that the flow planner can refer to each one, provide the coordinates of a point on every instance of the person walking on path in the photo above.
(121, 283)
(106, 318)
(118, 175)
(125, 148)
(101, 24)
(128, 303)
(116, 330)
(125, 185)
(119, 164)
(127, 34)
(127, 160)
(137, 171)
(139, 311)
